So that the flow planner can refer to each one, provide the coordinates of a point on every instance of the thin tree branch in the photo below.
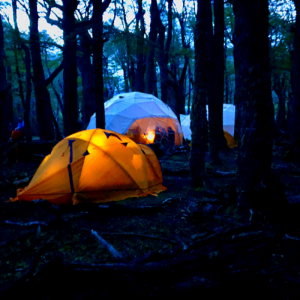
(54, 74)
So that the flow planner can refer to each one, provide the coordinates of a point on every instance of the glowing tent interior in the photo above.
(142, 117)
(95, 166)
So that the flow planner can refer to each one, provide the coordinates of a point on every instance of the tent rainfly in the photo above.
(142, 117)
(94, 166)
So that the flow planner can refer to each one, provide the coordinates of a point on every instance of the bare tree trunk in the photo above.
(218, 140)
(162, 49)
(155, 92)
(86, 70)
(150, 71)
(190, 89)
(201, 94)
(43, 104)
(97, 28)
(4, 94)
(125, 77)
(27, 124)
(176, 88)
(256, 106)
(214, 77)
(10, 109)
(226, 74)
(70, 114)
(140, 72)
(280, 90)
(295, 104)
(25, 101)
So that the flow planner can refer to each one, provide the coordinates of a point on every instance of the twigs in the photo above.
(175, 235)
(169, 201)
(29, 224)
(146, 236)
(14, 239)
(292, 238)
(25, 180)
(226, 234)
(115, 253)
(29, 272)
(218, 173)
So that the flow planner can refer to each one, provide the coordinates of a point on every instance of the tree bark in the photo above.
(217, 139)
(70, 115)
(86, 70)
(5, 91)
(140, 71)
(9, 80)
(190, 89)
(295, 105)
(280, 90)
(237, 93)
(43, 104)
(257, 112)
(98, 65)
(162, 51)
(129, 57)
(182, 79)
(97, 28)
(201, 94)
(150, 71)
(27, 124)
(25, 100)
(176, 88)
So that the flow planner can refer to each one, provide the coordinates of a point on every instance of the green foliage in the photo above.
(119, 55)
(281, 39)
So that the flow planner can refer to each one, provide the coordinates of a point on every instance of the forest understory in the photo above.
(182, 242)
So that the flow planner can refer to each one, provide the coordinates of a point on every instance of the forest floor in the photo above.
(184, 241)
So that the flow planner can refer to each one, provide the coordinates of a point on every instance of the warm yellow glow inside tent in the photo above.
(136, 114)
(151, 137)
(95, 166)
(149, 127)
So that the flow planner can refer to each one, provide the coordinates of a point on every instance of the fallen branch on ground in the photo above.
(175, 235)
(33, 223)
(218, 173)
(115, 253)
(146, 236)
(25, 180)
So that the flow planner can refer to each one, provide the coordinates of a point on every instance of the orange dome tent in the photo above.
(95, 166)
(231, 142)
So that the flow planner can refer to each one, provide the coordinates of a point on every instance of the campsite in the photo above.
(183, 241)
(149, 149)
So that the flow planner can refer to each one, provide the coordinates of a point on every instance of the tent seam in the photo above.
(115, 162)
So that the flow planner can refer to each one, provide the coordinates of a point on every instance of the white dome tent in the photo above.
(140, 116)
(229, 118)
(228, 121)
(185, 121)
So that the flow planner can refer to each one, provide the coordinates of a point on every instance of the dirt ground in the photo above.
(183, 241)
